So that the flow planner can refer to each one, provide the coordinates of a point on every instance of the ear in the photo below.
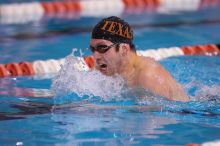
(124, 49)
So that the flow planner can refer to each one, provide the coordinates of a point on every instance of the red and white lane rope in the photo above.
(211, 143)
(34, 11)
(86, 63)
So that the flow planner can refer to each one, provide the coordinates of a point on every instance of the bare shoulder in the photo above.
(153, 76)
(148, 70)
(149, 66)
(152, 70)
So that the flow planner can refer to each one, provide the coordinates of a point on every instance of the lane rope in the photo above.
(20, 13)
(87, 62)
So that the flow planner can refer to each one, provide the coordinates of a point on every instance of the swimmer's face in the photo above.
(108, 60)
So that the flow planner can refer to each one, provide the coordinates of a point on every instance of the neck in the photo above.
(129, 69)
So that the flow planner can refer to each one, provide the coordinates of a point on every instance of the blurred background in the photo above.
(49, 29)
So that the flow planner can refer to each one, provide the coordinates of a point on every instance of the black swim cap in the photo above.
(113, 29)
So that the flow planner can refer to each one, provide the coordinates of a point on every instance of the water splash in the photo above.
(74, 83)
(202, 92)
(72, 79)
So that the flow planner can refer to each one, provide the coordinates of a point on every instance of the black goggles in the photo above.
(102, 48)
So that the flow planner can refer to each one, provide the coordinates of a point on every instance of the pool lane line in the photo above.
(26, 108)
(77, 30)
(85, 63)
(29, 108)
(20, 13)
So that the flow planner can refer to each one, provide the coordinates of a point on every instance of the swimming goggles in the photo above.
(102, 48)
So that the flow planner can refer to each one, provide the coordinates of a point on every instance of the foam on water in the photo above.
(73, 83)
(202, 92)
(208, 93)
(90, 83)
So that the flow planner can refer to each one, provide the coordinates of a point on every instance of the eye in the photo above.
(101, 46)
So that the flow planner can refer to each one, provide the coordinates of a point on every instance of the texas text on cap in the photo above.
(113, 29)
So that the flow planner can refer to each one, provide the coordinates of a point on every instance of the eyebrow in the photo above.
(99, 44)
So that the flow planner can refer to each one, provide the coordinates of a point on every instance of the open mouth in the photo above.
(103, 67)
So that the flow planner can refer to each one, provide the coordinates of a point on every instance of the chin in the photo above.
(106, 73)
(109, 73)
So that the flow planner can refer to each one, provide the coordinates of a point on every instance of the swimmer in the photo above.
(114, 53)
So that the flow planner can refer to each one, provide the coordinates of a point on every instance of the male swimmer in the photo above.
(114, 53)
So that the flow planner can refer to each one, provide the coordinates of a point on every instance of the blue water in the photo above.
(28, 113)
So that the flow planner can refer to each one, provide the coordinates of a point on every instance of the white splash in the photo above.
(202, 92)
(74, 79)
(208, 92)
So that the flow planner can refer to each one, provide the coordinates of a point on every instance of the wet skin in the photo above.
(137, 71)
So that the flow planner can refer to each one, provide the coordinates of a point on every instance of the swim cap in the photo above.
(113, 29)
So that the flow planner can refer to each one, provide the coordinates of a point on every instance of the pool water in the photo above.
(30, 113)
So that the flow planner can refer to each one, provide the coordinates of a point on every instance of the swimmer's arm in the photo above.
(159, 81)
